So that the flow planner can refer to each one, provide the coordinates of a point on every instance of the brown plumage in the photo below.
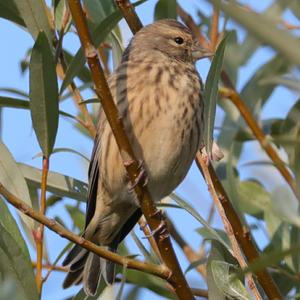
(158, 93)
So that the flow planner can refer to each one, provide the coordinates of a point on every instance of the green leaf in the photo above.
(12, 179)
(15, 91)
(165, 9)
(9, 11)
(117, 49)
(229, 284)
(14, 255)
(13, 102)
(34, 14)
(206, 234)
(217, 253)
(264, 29)
(89, 101)
(43, 94)
(195, 214)
(98, 10)
(286, 205)
(69, 150)
(58, 184)
(195, 264)
(211, 95)
(253, 198)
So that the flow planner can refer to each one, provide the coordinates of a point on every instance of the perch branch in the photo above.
(152, 215)
(235, 228)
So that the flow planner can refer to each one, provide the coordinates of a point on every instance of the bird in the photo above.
(159, 95)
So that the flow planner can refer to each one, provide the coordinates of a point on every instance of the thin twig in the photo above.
(214, 35)
(153, 216)
(160, 271)
(231, 94)
(39, 233)
(227, 225)
(234, 226)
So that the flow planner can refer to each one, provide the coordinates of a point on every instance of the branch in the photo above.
(214, 35)
(152, 215)
(235, 228)
(130, 15)
(231, 94)
(160, 271)
(39, 233)
(236, 251)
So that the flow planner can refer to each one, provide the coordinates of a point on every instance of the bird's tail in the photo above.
(89, 268)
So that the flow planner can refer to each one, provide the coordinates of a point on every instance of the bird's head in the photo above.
(171, 38)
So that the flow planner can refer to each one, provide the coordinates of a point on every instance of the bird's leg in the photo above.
(162, 229)
(215, 155)
(141, 177)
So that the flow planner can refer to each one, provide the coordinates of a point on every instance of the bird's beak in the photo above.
(199, 52)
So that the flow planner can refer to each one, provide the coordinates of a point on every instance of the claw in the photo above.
(161, 230)
(215, 155)
(141, 178)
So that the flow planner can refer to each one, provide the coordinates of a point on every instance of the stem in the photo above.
(231, 94)
(233, 225)
(214, 28)
(39, 233)
(160, 271)
(152, 215)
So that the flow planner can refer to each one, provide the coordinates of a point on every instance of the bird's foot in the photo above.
(141, 178)
(162, 229)
(215, 155)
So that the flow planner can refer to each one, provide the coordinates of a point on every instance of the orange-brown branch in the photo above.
(152, 215)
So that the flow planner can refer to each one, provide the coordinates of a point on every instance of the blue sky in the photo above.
(18, 135)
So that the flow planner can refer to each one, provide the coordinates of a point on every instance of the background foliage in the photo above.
(262, 59)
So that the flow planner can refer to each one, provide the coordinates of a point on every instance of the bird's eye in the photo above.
(179, 40)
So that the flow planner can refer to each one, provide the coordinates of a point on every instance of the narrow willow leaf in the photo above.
(12, 179)
(24, 104)
(90, 101)
(34, 14)
(286, 205)
(9, 11)
(14, 254)
(69, 150)
(195, 214)
(211, 95)
(206, 234)
(195, 264)
(165, 9)
(229, 284)
(13, 102)
(98, 36)
(43, 94)
(58, 184)
(117, 49)
(264, 29)
(99, 10)
(15, 91)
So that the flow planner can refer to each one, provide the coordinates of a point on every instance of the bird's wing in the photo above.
(93, 175)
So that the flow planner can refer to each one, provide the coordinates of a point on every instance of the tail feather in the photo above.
(76, 253)
(91, 274)
(89, 268)
(73, 278)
